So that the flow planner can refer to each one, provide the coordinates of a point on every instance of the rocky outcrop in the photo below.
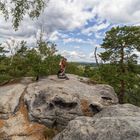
(77, 108)
(54, 102)
(117, 122)
(9, 99)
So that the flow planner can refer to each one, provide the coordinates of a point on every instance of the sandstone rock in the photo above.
(27, 80)
(120, 110)
(18, 127)
(9, 99)
(53, 107)
(54, 102)
(51, 101)
(117, 122)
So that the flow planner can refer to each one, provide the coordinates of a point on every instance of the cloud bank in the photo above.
(75, 22)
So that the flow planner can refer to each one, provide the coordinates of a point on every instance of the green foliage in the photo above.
(4, 10)
(109, 74)
(40, 61)
(119, 44)
(118, 38)
(20, 8)
(88, 71)
(74, 68)
(5, 78)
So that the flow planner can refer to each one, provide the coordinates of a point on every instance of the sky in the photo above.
(76, 26)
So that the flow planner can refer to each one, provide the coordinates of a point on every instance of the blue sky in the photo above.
(76, 26)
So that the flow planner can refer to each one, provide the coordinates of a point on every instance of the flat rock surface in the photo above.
(117, 122)
(9, 99)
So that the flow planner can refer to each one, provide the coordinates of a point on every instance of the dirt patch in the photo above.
(2, 123)
(85, 108)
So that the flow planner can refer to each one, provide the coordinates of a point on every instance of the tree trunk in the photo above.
(122, 92)
(122, 82)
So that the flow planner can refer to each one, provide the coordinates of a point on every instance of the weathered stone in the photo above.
(53, 107)
(117, 122)
(9, 99)
(27, 80)
(18, 127)
(54, 102)
(124, 110)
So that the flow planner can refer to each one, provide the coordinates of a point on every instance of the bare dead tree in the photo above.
(95, 54)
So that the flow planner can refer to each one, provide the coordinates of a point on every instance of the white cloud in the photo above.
(64, 15)
(79, 56)
(54, 36)
(99, 35)
(73, 55)
(138, 54)
(67, 40)
(95, 28)
(76, 47)
(119, 11)
(78, 40)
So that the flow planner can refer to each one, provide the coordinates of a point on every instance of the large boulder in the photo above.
(9, 99)
(117, 122)
(54, 102)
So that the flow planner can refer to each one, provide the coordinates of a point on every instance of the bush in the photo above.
(5, 78)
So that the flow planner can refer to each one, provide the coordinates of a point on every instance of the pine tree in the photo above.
(120, 44)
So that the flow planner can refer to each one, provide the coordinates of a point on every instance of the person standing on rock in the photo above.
(62, 65)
